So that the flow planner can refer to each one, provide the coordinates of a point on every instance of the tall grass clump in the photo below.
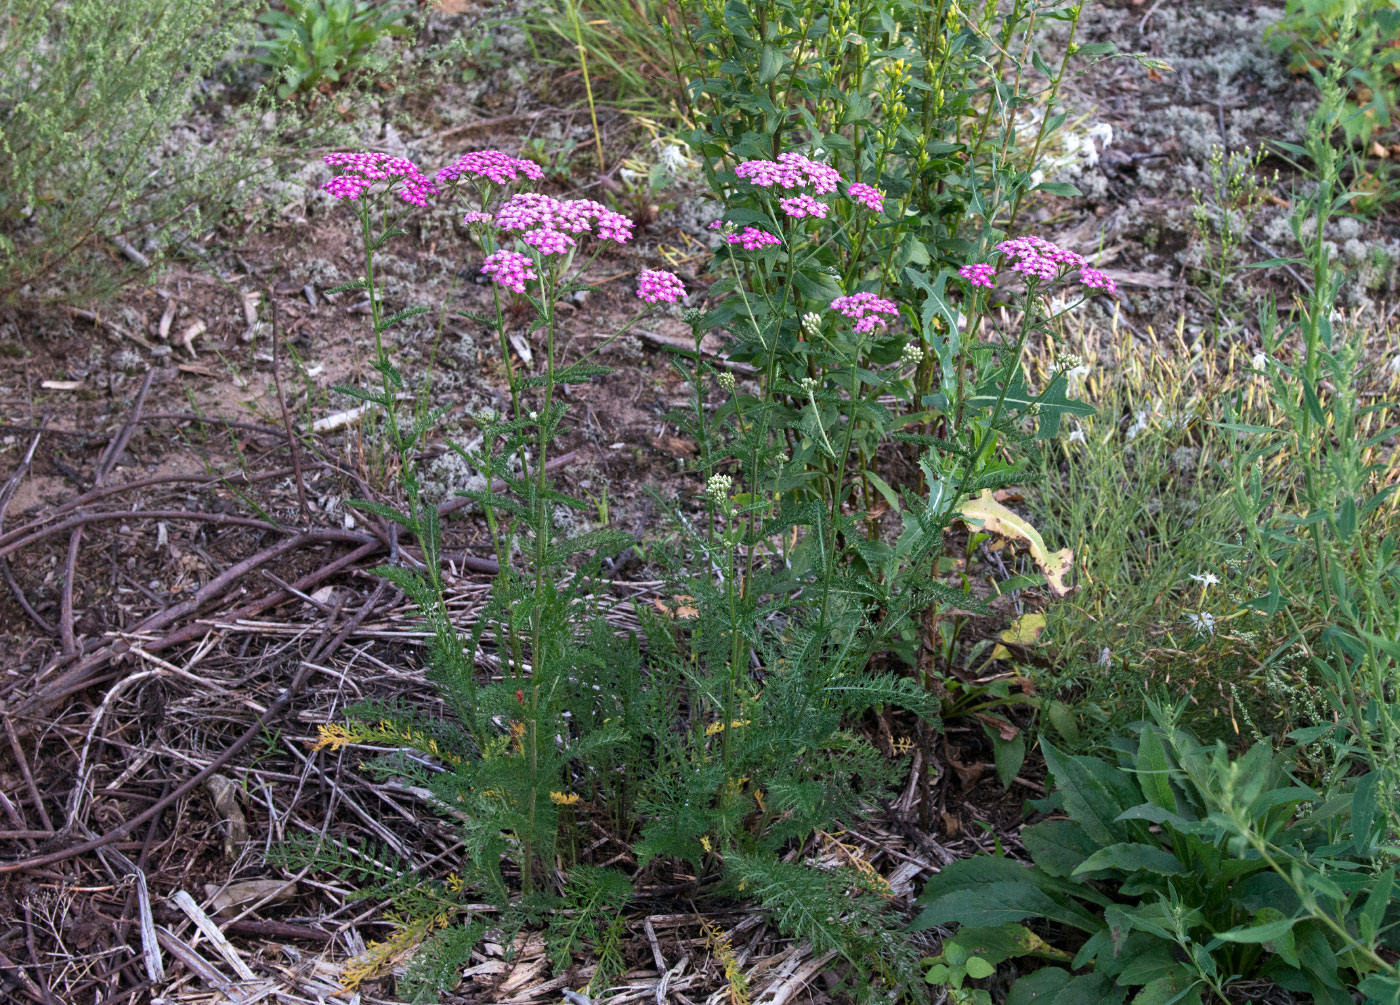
(1249, 561)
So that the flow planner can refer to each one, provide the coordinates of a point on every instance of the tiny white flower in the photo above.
(1105, 657)
(1260, 361)
(1203, 623)
(1077, 436)
(811, 324)
(1139, 424)
(1207, 580)
(673, 158)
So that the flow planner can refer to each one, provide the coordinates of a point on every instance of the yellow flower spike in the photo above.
(562, 799)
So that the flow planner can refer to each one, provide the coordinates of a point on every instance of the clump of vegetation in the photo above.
(312, 44)
(1362, 37)
(88, 190)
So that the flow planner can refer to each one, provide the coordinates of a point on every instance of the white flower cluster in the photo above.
(718, 488)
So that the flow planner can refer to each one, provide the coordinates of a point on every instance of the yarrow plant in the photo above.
(675, 752)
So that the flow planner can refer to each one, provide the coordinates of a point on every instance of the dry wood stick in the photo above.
(104, 467)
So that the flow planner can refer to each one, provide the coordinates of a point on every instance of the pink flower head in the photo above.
(790, 171)
(510, 269)
(477, 216)
(980, 274)
(1093, 279)
(753, 239)
(867, 195)
(492, 165)
(715, 224)
(864, 309)
(548, 241)
(798, 206)
(362, 170)
(1037, 258)
(1041, 260)
(531, 211)
(656, 286)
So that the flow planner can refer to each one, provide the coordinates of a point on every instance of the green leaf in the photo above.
(1152, 770)
(1173, 989)
(978, 968)
(770, 64)
(1270, 931)
(1062, 188)
(1363, 811)
(1009, 755)
(1039, 988)
(403, 315)
(1373, 912)
(1132, 858)
(999, 904)
(1095, 794)
(1058, 846)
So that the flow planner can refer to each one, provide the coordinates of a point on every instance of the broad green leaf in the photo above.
(1058, 846)
(1172, 989)
(1003, 942)
(1152, 771)
(1095, 794)
(1131, 858)
(1000, 904)
(978, 968)
(1038, 988)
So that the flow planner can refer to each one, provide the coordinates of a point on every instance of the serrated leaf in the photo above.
(403, 315)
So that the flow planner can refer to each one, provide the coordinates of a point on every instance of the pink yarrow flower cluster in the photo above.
(753, 239)
(657, 286)
(865, 310)
(980, 274)
(361, 171)
(790, 171)
(1036, 258)
(492, 165)
(799, 206)
(867, 195)
(510, 269)
(546, 223)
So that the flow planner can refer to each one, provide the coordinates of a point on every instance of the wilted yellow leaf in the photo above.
(985, 513)
(1024, 631)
